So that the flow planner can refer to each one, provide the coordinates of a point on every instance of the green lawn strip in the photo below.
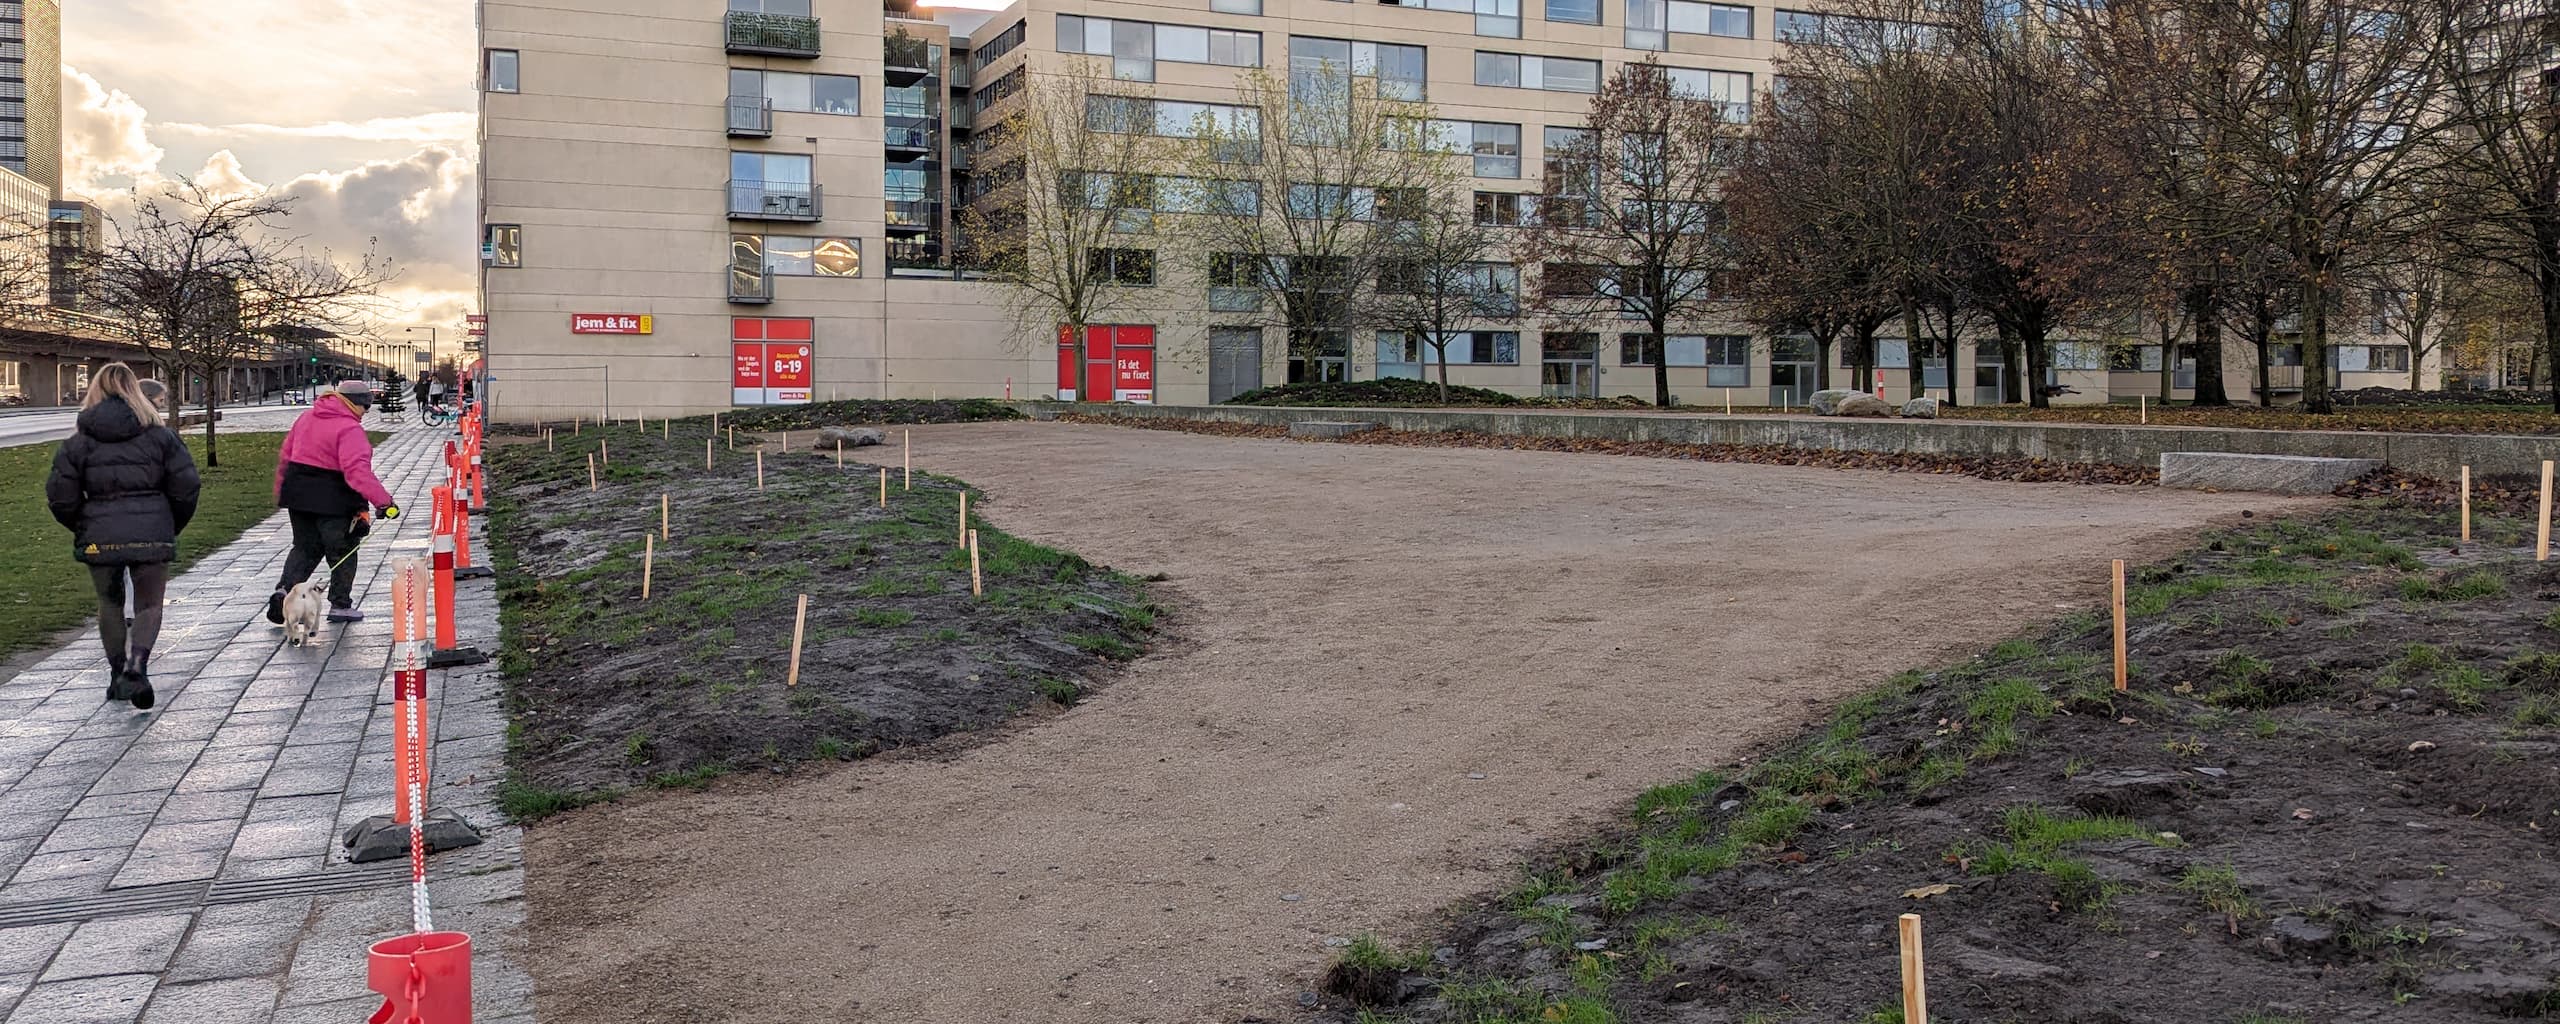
(45, 592)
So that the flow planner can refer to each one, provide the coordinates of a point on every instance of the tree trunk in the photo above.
(2266, 388)
(212, 456)
(2168, 362)
(2009, 368)
(1862, 363)
(1661, 364)
(1947, 345)
(1822, 361)
(1913, 372)
(1443, 350)
(2315, 342)
(2549, 282)
(2031, 342)
(2208, 331)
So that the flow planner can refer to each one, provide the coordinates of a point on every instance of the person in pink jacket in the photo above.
(325, 484)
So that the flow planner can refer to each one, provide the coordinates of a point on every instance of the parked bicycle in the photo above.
(437, 415)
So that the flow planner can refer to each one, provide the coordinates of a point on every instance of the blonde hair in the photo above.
(120, 381)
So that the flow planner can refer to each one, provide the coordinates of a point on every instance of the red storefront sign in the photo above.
(611, 323)
(1135, 374)
(788, 374)
(477, 325)
(1119, 364)
(773, 362)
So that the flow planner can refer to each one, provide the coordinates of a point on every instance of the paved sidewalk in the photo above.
(182, 864)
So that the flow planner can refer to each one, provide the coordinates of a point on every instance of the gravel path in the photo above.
(1397, 671)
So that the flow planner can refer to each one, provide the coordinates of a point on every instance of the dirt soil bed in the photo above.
(611, 690)
(1394, 673)
(2332, 794)
(2392, 417)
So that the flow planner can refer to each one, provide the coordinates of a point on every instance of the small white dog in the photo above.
(304, 608)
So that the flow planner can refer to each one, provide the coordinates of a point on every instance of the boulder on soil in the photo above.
(1863, 405)
(1920, 409)
(1827, 402)
(854, 437)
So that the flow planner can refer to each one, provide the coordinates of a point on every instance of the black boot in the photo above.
(115, 678)
(137, 681)
(275, 607)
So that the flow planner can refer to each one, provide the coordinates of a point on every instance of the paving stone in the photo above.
(130, 778)
(51, 867)
(14, 852)
(218, 806)
(119, 945)
(95, 833)
(228, 1001)
(119, 804)
(241, 941)
(108, 1000)
(101, 752)
(216, 776)
(337, 1011)
(11, 987)
(163, 868)
(303, 782)
(28, 949)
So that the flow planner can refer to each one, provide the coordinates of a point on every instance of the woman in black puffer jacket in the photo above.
(124, 485)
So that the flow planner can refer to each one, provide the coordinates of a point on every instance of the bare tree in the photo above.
(1068, 223)
(1787, 201)
(1292, 188)
(204, 281)
(2503, 153)
(1632, 224)
(1440, 270)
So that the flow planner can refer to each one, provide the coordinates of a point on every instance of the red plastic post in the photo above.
(423, 977)
(443, 558)
(461, 532)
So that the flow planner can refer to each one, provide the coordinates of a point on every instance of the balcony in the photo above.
(913, 216)
(750, 117)
(775, 200)
(907, 142)
(919, 255)
(750, 287)
(906, 60)
(772, 35)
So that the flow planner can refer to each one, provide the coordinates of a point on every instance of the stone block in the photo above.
(2272, 474)
(1329, 428)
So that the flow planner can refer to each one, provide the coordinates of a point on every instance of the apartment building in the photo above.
(690, 205)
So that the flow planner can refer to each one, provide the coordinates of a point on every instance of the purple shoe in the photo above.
(349, 614)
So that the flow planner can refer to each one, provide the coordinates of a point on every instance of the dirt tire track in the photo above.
(1365, 630)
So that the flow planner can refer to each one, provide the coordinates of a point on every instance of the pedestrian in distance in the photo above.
(325, 484)
(125, 486)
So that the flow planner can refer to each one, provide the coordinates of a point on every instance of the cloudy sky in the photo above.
(360, 109)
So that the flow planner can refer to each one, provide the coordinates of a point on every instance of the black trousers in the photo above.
(321, 538)
(150, 585)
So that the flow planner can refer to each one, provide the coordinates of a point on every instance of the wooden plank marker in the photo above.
(907, 444)
(665, 506)
(733, 437)
(963, 539)
(759, 469)
(605, 448)
(786, 440)
(666, 428)
(591, 471)
(577, 425)
(648, 561)
(884, 487)
(1728, 401)
(706, 453)
(2143, 403)
(839, 453)
(977, 580)
(2117, 601)
(2542, 519)
(1915, 981)
(799, 624)
(547, 445)
(2466, 504)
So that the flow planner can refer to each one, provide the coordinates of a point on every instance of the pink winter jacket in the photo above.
(327, 462)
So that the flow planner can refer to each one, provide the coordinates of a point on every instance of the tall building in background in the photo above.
(31, 91)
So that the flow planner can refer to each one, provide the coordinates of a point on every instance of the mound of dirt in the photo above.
(2331, 794)
(866, 412)
(2403, 396)
(611, 689)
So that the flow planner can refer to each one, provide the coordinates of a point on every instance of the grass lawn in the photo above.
(43, 591)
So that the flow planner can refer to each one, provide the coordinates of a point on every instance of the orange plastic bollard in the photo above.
(461, 533)
(424, 978)
(443, 555)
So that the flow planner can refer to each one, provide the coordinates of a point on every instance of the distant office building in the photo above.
(31, 91)
(74, 236)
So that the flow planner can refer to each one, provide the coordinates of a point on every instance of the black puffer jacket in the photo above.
(125, 491)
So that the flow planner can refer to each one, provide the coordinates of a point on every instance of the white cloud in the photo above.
(103, 134)
(452, 127)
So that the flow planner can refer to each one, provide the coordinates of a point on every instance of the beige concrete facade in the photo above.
(608, 165)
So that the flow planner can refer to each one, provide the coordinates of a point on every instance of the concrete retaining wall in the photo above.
(2436, 455)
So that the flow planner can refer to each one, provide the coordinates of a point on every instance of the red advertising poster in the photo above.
(746, 374)
(789, 372)
(1134, 374)
(1066, 363)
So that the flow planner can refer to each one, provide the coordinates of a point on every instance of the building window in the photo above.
(1003, 43)
(2067, 355)
(1554, 74)
(1135, 46)
(1711, 19)
(1493, 348)
(1728, 361)
(789, 256)
(798, 93)
(1581, 12)
(1498, 209)
(1798, 27)
(501, 73)
(503, 245)
(1400, 71)
(1729, 90)
(1647, 21)
(2373, 358)
(1496, 148)
(1236, 6)
(996, 91)
(1135, 267)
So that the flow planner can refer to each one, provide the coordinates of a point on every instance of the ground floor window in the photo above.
(1319, 357)
(2373, 358)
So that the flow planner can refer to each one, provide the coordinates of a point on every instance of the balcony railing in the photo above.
(906, 59)
(914, 255)
(750, 117)
(772, 35)
(750, 287)
(909, 138)
(913, 216)
(910, 111)
(775, 200)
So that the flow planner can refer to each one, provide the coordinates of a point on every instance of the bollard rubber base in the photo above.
(380, 838)
(457, 658)
(474, 572)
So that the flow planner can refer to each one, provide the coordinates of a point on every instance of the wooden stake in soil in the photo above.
(759, 469)
(1728, 401)
(605, 448)
(2542, 521)
(2144, 403)
(884, 487)
(839, 453)
(666, 428)
(1915, 981)
(799, 623)
(2117, 600)
(577, 425)
(733, 437)
(664, 506)
(706, 453)
(648, 560)
(2466, 504)
(546, 442)
(907, 444)
(591, 471)
(964, 519)
(977, 582)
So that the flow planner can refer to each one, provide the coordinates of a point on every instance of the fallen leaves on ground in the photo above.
(2413, 418)
(1988, 467)
(2511, 494)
